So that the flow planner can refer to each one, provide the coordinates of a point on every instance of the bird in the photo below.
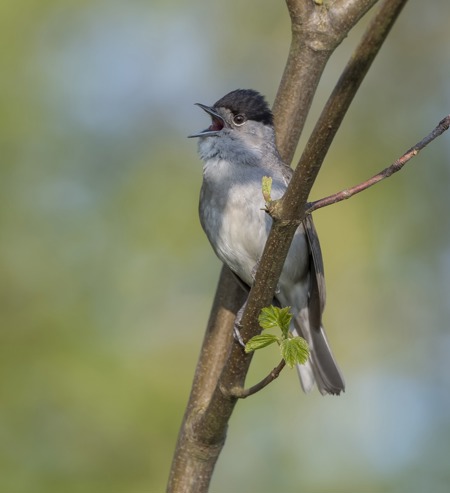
(238, 149)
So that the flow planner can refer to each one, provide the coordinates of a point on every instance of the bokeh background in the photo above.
(106, 278)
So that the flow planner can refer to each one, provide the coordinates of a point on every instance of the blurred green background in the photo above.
(107, 278)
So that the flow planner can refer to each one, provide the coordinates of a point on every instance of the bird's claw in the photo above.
(237, 333)
(237, 326)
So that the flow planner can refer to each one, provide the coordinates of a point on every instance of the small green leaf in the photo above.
(267, 188)
(284, 319)
(260, 341)
(268, 318)
(294, 351)
(274, 317)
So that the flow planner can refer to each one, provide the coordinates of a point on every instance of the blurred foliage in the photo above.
(103, 264)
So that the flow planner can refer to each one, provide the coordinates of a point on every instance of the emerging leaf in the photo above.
(284, 319)
(268, 317)
(267, 188)
(274, 317)
(259, 342)
(294, 351)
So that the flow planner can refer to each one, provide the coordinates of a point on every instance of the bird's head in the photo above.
(237, 111)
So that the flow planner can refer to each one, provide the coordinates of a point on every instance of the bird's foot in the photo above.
(237, 333)
(237, 326)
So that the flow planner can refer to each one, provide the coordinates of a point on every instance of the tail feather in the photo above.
(321, 366)
(306, 375)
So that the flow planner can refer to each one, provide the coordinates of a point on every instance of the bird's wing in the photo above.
(317, 276)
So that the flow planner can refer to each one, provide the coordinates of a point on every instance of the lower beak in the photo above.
(216, 126)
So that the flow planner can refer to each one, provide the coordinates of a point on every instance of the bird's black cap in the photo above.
(249, 103)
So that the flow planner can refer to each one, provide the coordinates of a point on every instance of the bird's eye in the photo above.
(239, 120)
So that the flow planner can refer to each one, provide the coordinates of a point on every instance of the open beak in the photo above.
(216, 126)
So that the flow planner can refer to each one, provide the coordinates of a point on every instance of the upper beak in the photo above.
(217, 122)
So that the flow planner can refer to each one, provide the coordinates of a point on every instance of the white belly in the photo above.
(238, 230)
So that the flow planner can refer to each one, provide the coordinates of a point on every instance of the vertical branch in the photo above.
(194, 462)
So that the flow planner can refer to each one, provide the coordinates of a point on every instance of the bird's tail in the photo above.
(321, 367)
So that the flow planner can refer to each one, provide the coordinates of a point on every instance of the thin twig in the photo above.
(242, 393)
(443, 125)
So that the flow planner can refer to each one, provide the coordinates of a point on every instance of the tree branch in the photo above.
(242, 393)
(195, 455)
(443, 126)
